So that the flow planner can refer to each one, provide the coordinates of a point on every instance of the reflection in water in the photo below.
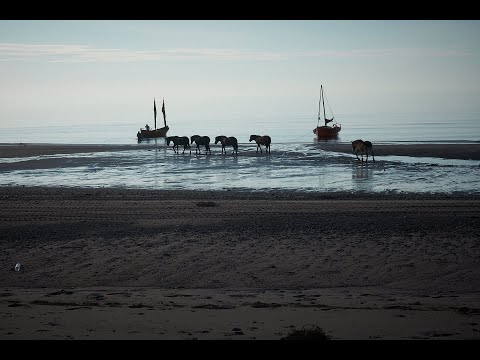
(361, 171)
(362, 177)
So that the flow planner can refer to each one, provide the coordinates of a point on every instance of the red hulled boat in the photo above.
(325, 131)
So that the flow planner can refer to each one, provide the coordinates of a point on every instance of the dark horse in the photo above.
(262, 140)
(363, 147)
(369, 147)
(227, 141)
(179, 140)
(201, 140)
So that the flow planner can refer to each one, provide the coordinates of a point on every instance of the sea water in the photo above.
(297, 161)
(376, 127)
(297, 167)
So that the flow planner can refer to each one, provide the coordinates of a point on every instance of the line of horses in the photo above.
(358, 146)
(225, 141)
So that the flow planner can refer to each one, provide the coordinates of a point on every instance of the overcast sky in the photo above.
(58, 72)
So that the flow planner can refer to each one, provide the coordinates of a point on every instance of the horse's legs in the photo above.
(361, 154)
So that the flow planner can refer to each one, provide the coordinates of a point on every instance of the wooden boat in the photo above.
(148, 133)
(325, 131)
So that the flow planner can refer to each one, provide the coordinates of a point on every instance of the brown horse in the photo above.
(369, 147)
(179, 140)
(362, 147)
(201, 140)
(227, 141)
(262, 140)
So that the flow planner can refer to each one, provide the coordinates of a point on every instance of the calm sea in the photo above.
(295, 163)
(407, 127)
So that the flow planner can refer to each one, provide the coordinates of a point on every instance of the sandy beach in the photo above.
(227, 265)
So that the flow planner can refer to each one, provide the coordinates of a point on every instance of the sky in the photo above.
(57, 72)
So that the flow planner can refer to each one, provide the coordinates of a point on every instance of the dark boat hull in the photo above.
(150, 134)
(327, 132)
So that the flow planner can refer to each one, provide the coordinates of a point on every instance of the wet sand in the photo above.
(447, 151)
(139, 264)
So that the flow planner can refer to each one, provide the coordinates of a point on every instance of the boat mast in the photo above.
(323, 102)
(163, 111)
(155, 114)
(319, 101)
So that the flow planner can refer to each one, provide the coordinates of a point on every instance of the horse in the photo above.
(369, 147)
(262, 140)
(227, 141)
(201, 140)
(362, 147)
(179, 140)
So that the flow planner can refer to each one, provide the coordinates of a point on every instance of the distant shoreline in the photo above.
(461, 151)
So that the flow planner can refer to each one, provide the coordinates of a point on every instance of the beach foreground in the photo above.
(139, 264)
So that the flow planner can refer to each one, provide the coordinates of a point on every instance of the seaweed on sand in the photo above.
(314, 333)
(206, 204)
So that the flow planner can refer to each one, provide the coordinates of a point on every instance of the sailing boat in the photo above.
(325, 131)
(148, 133)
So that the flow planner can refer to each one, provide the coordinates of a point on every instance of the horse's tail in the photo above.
(234, 142)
